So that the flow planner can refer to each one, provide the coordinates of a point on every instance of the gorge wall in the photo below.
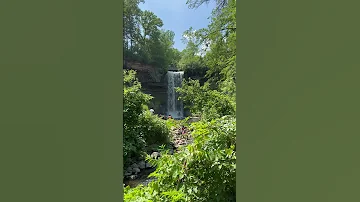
(153, 82)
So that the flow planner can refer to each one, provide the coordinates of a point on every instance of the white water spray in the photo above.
(174, 106)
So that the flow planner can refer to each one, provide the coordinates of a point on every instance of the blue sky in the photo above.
(177, 17)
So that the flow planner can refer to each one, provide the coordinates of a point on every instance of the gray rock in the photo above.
(133, 177)
(136, 170)
(127, 174)
(155, 155)
(141, 164)
(129, 169)
(148, 165)
(171, 151)
(134, 165)
(194, 119)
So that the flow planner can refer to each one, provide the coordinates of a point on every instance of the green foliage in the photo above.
(190, 59)
(211, 104)
(221, 56)
(134, 101)
(140, 127)
(155, 129)
(185, 122)
(215, 47)
(195, 173)
(144, 40)
(147, 194)
(171, 123)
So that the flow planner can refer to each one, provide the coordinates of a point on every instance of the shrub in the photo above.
(196, 173)
(211, 104)
(134, 101)
(154, 129)
(140, 127)
(171, 123)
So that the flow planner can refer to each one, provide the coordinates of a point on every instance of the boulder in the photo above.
(134, 165)
(141, 164)
(129, 169)
(127, 174)
(148, 165)
(155, 155)
(136, 170)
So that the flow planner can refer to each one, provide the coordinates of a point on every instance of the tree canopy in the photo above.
(144, 39)
(213, 48)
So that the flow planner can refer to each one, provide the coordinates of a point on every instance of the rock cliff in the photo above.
(153, 82)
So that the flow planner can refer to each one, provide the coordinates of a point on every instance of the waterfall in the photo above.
(174, 106)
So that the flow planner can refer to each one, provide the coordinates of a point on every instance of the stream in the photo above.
(142, 179)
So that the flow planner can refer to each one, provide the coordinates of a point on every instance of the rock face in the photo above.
(141, 164)
(153, 82)
(145, 73)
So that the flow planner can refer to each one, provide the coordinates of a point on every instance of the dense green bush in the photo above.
(155, 129)
(196, 173)
(134, 101)
(140, 127)
(201, 99)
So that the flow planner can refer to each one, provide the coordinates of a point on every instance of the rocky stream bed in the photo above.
(138, 173)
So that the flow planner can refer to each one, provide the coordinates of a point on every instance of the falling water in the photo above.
(174, 106)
